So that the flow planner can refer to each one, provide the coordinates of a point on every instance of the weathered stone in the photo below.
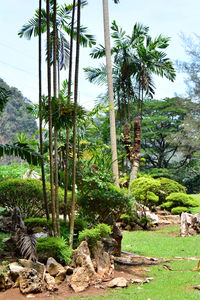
(103, 262)
(2, 282)
(117, 235)
(60, 277)
(32, 174)
(50, 282)
(81, 258)
(118, 282)
(190, 224)
(110, 245)
(80, 280)
(30, 281)
(128, 228)
(39, 267)
(53, 267)
(69, 270)
(15, 269)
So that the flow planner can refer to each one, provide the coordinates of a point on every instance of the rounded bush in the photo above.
(178, 210)
(145, 190)
(92, 236)
(169, 186)
(27, 194)
(181, 199)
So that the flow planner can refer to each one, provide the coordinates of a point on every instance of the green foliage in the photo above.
(95, 234)
(179, 202)
(145, 189)
(195, 210)
(27, 194)
(55, 247)
(2, 236)
(178, 210)
(14, 170)
(38, 222)
(169, 186)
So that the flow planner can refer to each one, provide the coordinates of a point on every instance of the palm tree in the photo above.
(75, 123)
(40, 108)
(63, 27)
(50, 118)
(110, 91)
(68, 98)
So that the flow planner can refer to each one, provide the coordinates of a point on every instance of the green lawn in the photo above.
(167, 285)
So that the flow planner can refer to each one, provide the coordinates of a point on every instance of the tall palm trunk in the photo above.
(68, 99)
(110, 93)
(55, 129)
(50, 120)
(75, 123)
(40, 112)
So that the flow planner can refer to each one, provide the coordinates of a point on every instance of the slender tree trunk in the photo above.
(68, 100)
(40, 112)
(110, 93)
(50, 120)
(55, 129)
(136, 151)
(75, 124)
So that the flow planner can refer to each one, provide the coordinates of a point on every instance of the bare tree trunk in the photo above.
(50, 120)
(40, 113)
(136, 157)
(110, 93)
(68, 100)
(75, 124)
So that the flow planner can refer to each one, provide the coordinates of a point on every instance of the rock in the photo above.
(54, 268)
(80, 280)
(104, 265)
(110, 245)
(81, 258)
(50, 282)
(32, 174)
(190, 224)
(39, 267)
(117, 235)
(15, 269)
(118, 282)
(30, 281)
(69, 270)
(137, 281)
(60, 277)
(2, 282)
(41, 235)
(128, 228)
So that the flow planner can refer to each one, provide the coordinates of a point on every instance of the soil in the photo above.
(64, 291)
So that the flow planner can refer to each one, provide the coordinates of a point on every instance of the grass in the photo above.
(176, 284)
(2, 236)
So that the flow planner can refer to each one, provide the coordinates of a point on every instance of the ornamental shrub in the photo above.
(145, 190)
(179, 209)
(55, 247)
(27, 194)
(97, 233)
(181, 201)
(169, 186)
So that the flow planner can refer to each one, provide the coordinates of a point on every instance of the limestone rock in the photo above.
(53, 267)
(60, 277)
(117, 235)
(190, 224)
(80, 280)
(81, 258)
(32, 174)
(15, 269)
(69, 270)
(30, 281)
(2, 282)
(104, 265)
(118, 282)
(39, 267)
(110, 245)
(50, 282)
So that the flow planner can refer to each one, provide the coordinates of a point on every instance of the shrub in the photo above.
(55, 247)
(38, 222)
(145, 190)
(102, 200)
(95, 234)
(178, 210)
(27, 194)
(169, 186)
(181, 201)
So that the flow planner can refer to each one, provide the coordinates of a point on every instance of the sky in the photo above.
(19, 57)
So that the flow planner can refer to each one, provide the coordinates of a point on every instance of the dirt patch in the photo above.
(65, 291)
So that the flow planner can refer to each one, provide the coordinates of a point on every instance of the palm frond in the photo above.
(26, 244)
(96, 75)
